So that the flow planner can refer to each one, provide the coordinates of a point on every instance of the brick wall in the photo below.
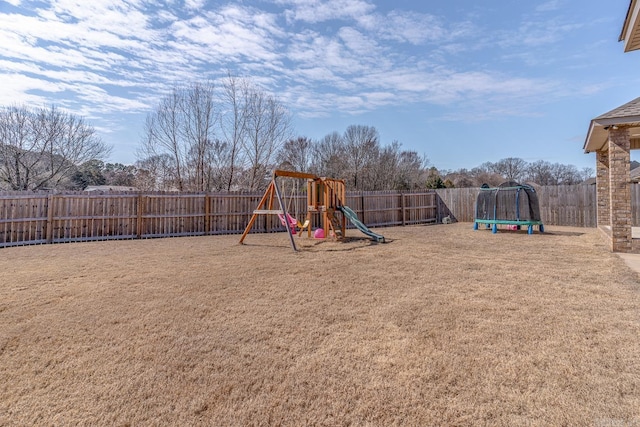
(602, 188)
(619, 189)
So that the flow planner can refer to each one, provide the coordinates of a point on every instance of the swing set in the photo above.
(325, 196)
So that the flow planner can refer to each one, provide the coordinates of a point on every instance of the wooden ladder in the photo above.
(335, 223)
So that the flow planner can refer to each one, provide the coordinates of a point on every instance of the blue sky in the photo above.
(463, 82)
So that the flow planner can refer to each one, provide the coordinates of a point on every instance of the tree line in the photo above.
(226, 137)
(204, 138)
(540, 172)
(43, 147)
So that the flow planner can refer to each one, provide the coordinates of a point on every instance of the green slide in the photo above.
(353, 217)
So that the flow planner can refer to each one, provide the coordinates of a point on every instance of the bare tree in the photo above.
(361, 145)
(156, 173)
(544, 173)
(381, 171)
(412, 171)
(329, 157)
(586, 173)
(565, 174)
(297, 154)
(40, 148)
(511, 168)
(163, 136)
(219, 165)
(267, 127)
(199, 118)
(460, 178)
(234, 123)
(217, 139)
(394, 169)
(541, 173)
(182, 126)
(364, 161)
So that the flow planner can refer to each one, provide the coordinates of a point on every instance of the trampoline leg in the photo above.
(488, 226)
(519, 227)
(494, 230)
(475, 225)
(541, 228)
(530, 229)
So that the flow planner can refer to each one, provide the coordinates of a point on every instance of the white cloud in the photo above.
(358, 43)
(314, 11)
(194, 5)
(412, 27)
(549, 6)
(26, 90)
(108, 57)
(538, 33)
(231, 33)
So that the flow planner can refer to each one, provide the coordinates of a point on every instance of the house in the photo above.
(111, 188)
(612, 136)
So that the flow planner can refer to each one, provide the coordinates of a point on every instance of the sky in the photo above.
(463, 82)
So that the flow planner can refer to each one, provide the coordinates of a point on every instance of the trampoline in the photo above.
(511, 204)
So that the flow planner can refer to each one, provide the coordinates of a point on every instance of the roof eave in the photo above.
(590, 143)
(625, 25)
(598, 133)
(616, 121)
(631, 27)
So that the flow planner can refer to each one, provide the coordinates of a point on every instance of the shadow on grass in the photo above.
(564, 233)
(325, 245)
(346, 244)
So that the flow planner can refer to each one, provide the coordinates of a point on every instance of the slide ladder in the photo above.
(353, 217)
(335, 223)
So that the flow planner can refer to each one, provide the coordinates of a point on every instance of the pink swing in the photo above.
(293, 223)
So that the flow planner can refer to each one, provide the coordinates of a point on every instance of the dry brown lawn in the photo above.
(440, 326)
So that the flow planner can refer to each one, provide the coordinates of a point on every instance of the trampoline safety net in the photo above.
(509, 201)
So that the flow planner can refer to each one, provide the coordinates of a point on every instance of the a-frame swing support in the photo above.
(268, 197)
(284, 213)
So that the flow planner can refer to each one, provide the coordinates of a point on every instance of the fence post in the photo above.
(50, 218)
(207, 214)
(404, 209)
(363, 209)
(140, 208)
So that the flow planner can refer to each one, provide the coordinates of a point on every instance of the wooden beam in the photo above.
(254, 216)
(293, 174)
(268, 211)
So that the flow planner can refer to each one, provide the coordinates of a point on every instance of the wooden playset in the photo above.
(325, 197)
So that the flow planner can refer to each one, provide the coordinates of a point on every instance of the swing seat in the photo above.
(303, 227)
(293, 223)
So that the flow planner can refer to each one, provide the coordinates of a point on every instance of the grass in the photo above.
(441, 326)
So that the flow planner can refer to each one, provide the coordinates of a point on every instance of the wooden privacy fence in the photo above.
(31, 218)
(570, 205)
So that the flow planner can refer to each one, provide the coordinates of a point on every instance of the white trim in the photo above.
(631, 26)
(617, 121)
